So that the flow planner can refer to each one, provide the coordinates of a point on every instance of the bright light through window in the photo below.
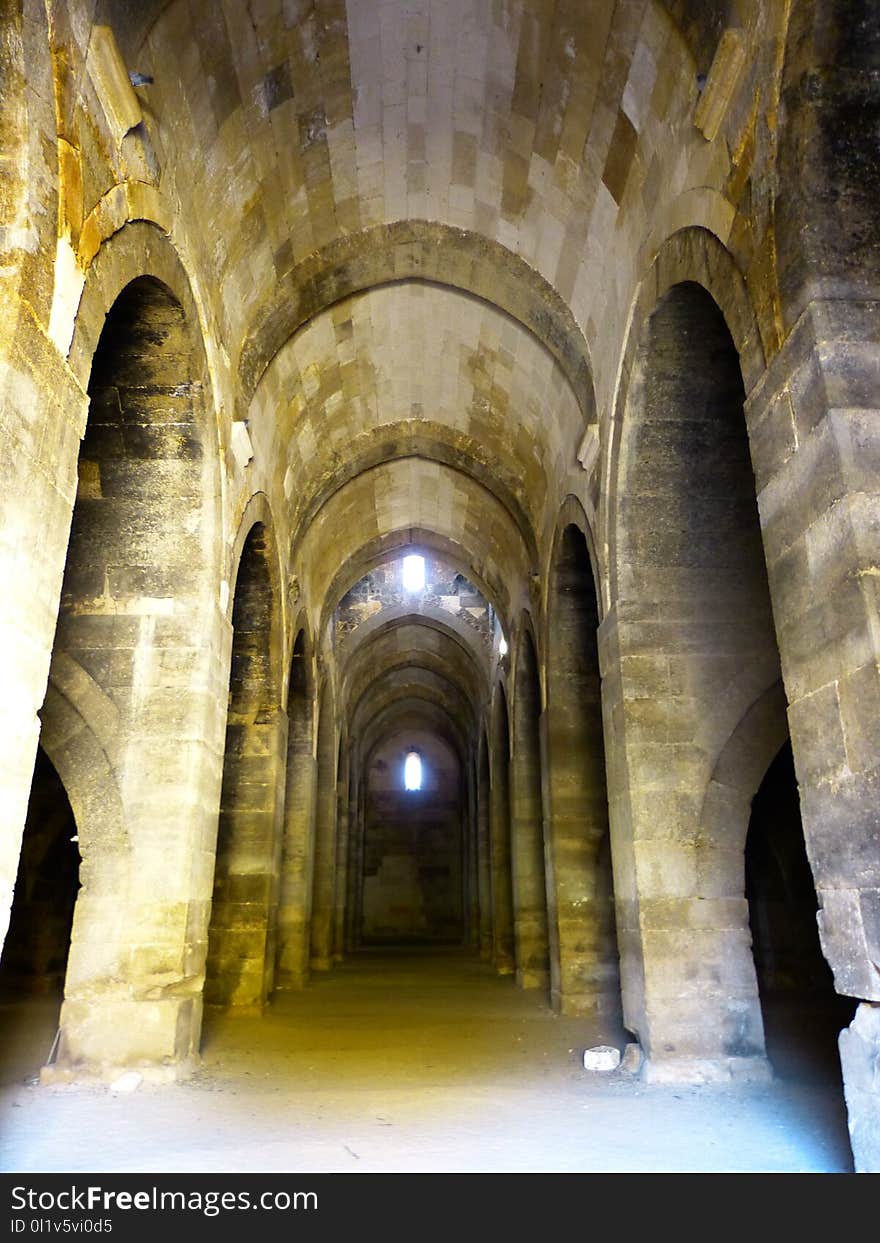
(502, 646)
(414, 574)
(412, 771)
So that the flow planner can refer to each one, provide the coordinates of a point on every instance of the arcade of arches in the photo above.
(578, 303)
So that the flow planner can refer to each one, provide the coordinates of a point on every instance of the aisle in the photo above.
(417, 1062)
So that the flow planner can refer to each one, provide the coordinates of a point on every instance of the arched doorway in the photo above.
(691, 647)
(128, 690)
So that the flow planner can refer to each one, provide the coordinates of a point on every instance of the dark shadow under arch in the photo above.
(802, 1013)
(33, 966)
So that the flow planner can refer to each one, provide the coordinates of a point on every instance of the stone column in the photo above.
(342, 852)
(355, 853)
(527, 830)
(147, 791)
(484, 857)
(469, 856)
(137, 686)
(502, 893)
(687, 976)
(241, 963)
(580, 900)
(324, 883)
(686, 648)
(813, 423)
(623, 849)
(295, 899)
(44, 413)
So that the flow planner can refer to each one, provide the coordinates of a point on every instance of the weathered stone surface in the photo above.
(860, 1058)
(632, 1059)
(580, 306)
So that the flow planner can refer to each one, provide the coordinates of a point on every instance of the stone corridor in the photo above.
(483, 388)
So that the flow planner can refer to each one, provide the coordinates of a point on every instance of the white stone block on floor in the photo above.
(601, 1057)
(130, 1081)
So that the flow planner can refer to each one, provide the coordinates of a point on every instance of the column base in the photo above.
(102, 1036)
(238, 1009)
(291, 982)
(529, 977)
(697, 1070)
(585, 1005)
(61, 1073)
(321, 964)
(291, 968)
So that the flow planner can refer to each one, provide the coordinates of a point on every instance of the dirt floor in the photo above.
(410, 1062)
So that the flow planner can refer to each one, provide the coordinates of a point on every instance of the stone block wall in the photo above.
(435, 283)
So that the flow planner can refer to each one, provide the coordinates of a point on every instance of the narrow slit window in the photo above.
(412, 771)
(414, 573)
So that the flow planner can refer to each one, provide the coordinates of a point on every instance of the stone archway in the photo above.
(136, 589)
(694, 645)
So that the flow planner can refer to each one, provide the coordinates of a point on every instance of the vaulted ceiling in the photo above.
(417, 227)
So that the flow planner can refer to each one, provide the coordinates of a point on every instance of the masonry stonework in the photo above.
(580, 304)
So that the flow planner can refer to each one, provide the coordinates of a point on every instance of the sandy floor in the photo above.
(407, 1063)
